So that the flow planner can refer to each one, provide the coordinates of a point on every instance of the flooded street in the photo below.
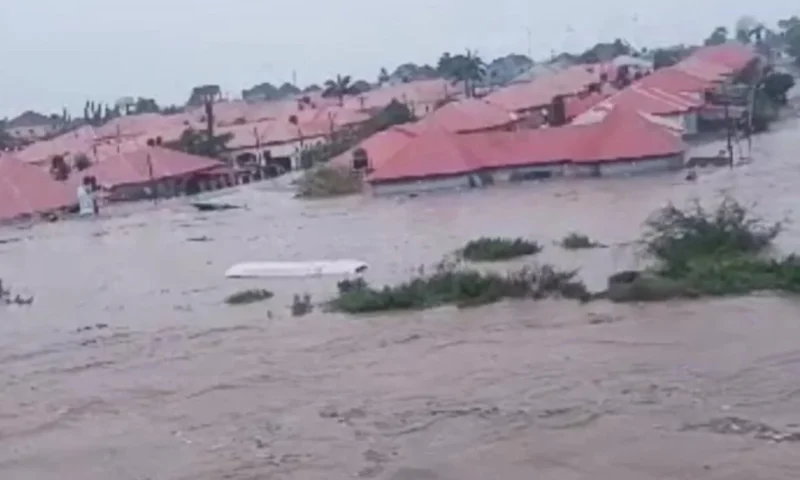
(175, 384)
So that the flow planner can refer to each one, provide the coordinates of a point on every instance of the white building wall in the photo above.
(422, 186)
(505, 175)
(31, 133)
(624, 168)
(687, 121)
(636, 167)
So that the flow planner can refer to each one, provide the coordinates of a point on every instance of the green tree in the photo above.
(666, 57)
(790, 31)
(197, 142)
(776, 85)
(288, 90)
(383, 77)
(468, 68)
(59, 168)
(717, 37)
(146, 105)
(339, 87)
(81, 162)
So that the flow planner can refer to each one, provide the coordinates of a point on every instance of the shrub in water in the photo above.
(577, 241)
(301, 305)
(708, 252)
(675, 237)
(248, 296)
(463, 287)
(328, 181)
(487, 249)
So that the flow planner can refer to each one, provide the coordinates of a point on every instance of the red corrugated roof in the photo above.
(136, 167)
(675, 80)
(470, 115)
(644, 100)
(524, 147)
(540, 92)
(579, 104)
(433, 152)
(26, 189)
(735, 56)
(379, 147)
(625, 134)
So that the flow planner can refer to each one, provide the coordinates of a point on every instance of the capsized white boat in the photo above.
(295, 269)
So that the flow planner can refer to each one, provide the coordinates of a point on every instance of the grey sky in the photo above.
(61, 52)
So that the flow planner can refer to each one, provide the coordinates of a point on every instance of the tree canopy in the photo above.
(467, 68)
(340, 87)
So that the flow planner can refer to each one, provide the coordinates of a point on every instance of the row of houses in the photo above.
(513, 134)
(572, 121)
(27, 190)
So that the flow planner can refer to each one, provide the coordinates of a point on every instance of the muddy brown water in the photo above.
(181, 386)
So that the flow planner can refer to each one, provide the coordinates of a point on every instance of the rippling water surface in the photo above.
(181, 386)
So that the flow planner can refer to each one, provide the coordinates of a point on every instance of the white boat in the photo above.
(295, 269)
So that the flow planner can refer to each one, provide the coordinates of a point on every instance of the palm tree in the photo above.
(468, 68)
(383, 77)
(339, 87)
(718, 36)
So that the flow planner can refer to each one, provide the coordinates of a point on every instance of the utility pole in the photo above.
(726, 101)
(529, 35)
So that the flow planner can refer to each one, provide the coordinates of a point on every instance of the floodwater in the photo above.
(179, 385)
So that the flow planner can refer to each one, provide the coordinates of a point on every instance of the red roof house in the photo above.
(26, 190)
(625, 135)
(734, 56)
(471, 115)
(157, 171)
(149, 164)
(379, 147)
(434, 153)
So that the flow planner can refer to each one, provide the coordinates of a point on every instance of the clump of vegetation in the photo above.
(7, 298)
(328, 181)
(301, 305)
(708, 252)
(81, 162)
(678, 239)
(449, 284)
(245, 297)
(487, 249)
(578, 241)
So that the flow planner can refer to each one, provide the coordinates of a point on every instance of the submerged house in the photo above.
(158, 172)
(27, 190)
(459, 117)
(619, 141)
(681, 110)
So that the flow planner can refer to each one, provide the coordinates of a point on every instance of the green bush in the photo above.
(248, 296)
(578, 241)
(677, 237)
(703, 252)
(486, 249)
(463, 287)
(324, 181)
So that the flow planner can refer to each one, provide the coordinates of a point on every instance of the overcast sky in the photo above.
(61, 52)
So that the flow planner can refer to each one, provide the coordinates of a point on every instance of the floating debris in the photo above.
(213, 207)
(741, 426)
(7, 298)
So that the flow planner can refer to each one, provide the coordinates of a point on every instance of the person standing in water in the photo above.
(87, 203)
